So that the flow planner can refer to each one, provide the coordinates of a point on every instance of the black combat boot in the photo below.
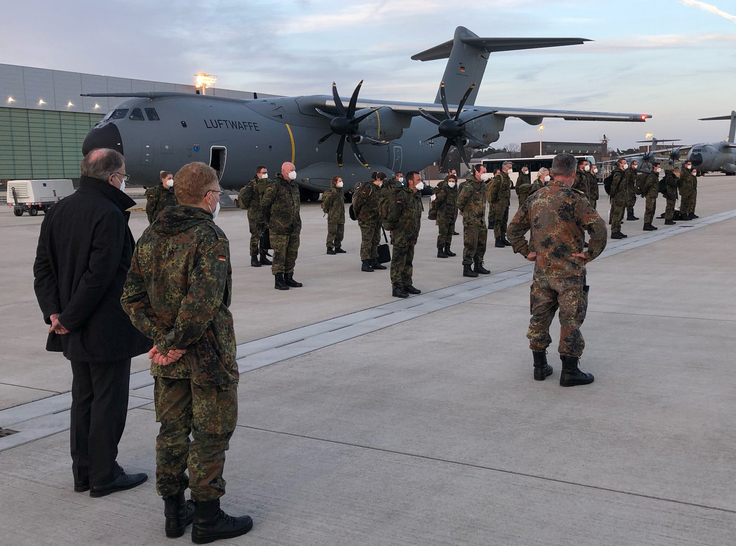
(669, 222)
(649, 227)
(211, 523)
(617, 235)
(468, 271)
(410, 289)
(179, 513)
(331, 250)
(399, 292)
(280, 283)
(693, 216)
(542, 370)
(339, 250)
(254, 261)
(571, 374)
(499, 243)
(505, 241)
(377, 265)
(449, 252)
(480, 269)
(264, 258)
(290, 282)
(366, 266)
(441, 252)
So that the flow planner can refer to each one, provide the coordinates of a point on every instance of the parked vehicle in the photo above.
(33, 195)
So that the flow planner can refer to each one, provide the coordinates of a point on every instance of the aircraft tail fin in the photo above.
(467, 56)
(731, 129)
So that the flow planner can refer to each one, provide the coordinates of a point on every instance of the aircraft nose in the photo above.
(696, 159)
(106, 136)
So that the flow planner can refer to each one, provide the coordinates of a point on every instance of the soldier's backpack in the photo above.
(640, 179)
(607, 181)
(351, 209)
(663, 182)
(245, 196)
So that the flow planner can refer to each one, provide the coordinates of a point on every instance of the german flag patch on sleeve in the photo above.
(222, 258)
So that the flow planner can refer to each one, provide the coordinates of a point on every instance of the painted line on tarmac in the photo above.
(41, 418)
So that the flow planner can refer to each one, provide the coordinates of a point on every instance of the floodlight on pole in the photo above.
(204, 81)
(541, 127)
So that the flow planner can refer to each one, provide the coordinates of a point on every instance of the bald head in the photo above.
(287, 168)
(101, 163)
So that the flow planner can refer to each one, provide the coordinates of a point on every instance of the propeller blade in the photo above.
(338, 102)
(479, 116)
(446, 149)
(461, 150)
(325, 114)
(443, 96)
(358, 155)
(462, 101)
(428, 116)
(363, 116)
(324, 138)
(432, 137)
(340, 147)
(354, 100)
(371, 139)
(474, 139)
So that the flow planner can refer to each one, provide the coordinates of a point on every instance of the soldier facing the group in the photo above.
(404, 220)
(333, 204)
(471, 203)
(499, 197)
(160, 196)
(249, 198)
(523, 185)
(445, 202)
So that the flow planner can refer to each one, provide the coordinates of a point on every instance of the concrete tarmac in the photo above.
(368, 420)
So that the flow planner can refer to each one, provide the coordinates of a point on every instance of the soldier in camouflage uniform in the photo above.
(161, 196)
(491, 208)
(671, 178)
(280, 204)
(445, 201)
(333, 203)
(618, 199)
(543, 178)
(177, 293)
(249, 199)
(366, 205)
(404, 220)
(650, 190)
(471, 203)
(523, 185)
(593, 190)
(581, 178)
(499, 196)
(630, 182)
(558, 217)
(686, 185)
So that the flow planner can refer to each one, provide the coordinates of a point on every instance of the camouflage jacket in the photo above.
(650, 187)
(471, 202)
(593, 191)
(499, 191)
(618, 184)
(280, 204)
(581, 182)
(405, 216)
(630, 180)
(523, 186)
(445, 201)
(366, 203)
(686, 183)
(251, 195)
(178, 292)
(333, 203)
(157, 199)
(537, 185)
(670, 186)
(557, 216)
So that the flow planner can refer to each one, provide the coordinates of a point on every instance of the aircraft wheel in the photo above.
(33, 211)
(18, 212)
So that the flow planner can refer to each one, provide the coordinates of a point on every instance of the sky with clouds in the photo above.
(674, 59)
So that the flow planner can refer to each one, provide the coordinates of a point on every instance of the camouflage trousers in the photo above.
(491, 215)
(209, 413)
(687, 203)
(402, 267)
(630, 198)
(501, 220)
(335, 234)
(649, 209)
(446, 229)
(617, 216)
(669, 211)
(370, 234)
(285, 251)
(570, 296)
(474, 244)
(256, 226)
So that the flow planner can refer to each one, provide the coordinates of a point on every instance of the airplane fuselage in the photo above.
(713, 157)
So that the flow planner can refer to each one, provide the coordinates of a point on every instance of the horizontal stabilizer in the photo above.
(490, 45)
(719, 118)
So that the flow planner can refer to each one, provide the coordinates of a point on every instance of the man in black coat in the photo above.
(83, 255)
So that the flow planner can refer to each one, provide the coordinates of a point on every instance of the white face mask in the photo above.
(525, 171)
(217, 209)
(419, 186)
(400, 179)
(633, 167)
(339, 184)
(547, 178)
(170, 183)
(625, 166)
(694, 171)
(485, 176)
(595, 170)
(264, 175)
(292, 175)
(451, 184)
(511, 169)
(587, 168)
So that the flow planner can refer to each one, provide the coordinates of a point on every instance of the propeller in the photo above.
(345, 124)
(452, 128)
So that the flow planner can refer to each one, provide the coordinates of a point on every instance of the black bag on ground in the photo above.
(384, 252)
(266, 239)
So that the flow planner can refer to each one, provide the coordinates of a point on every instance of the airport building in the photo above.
(43, 118)
(599, 150)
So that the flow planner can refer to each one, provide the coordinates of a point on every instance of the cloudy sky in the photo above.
(674, 59)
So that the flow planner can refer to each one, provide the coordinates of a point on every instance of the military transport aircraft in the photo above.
(161, 130)
(716, 156)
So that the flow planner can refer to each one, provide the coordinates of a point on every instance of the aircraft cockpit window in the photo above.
(152, 114)
(120, 113)
(136, 115)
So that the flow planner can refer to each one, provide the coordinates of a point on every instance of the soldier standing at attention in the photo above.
(177, 293)
(471, 203)
(499, 192)
(557, 217)
(631, 190)
(523, 185)
(446, 205)
(453, 172)
(249, 199)
(618, 199)
(161, 196)
(333, 203)
(685, 185)
(280, 204)
(581, 178)
(404, 220)
(670, 185)
(593, 193)
(650, 189)
(366, 205)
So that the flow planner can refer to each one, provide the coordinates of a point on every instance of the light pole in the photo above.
(203, 81)
(540, 139)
